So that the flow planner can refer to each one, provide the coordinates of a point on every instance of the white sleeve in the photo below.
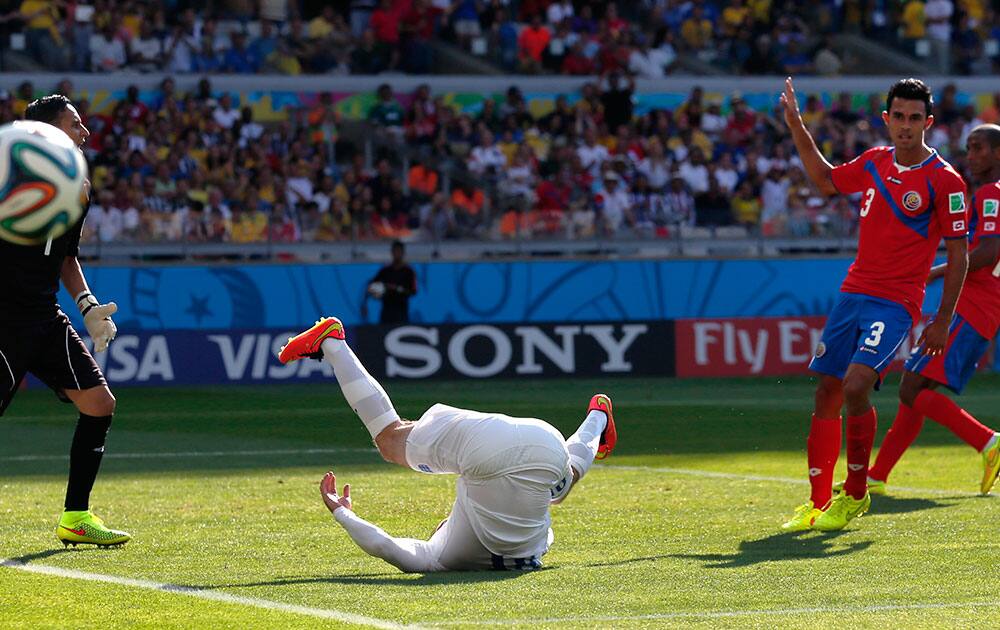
(406, 554)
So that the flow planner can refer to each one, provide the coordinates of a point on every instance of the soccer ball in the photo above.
(376, 290)
(42, 179)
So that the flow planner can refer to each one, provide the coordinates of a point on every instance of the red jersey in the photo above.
(980, 300)
(905, 211)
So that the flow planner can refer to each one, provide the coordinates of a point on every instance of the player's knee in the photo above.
(829, 398)
(391, 443)
(106, 403)
(856, 387)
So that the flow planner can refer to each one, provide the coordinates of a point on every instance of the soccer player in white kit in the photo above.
(510, 469)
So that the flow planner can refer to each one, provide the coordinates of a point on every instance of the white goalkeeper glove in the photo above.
(97, 319)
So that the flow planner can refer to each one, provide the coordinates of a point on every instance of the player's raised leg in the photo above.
(327, 340)
(595, 438)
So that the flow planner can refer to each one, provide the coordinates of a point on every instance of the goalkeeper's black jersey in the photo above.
(29, 277)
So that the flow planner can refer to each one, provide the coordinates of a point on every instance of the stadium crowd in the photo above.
(588, 37)
(196, 167)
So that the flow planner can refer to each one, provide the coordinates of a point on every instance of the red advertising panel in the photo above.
(758, 346)
(746, 346)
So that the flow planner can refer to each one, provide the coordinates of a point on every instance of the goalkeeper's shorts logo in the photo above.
(820, 349)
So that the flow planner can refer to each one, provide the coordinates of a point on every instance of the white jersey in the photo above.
(510, 470)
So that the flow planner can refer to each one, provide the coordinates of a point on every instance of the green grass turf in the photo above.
(649, 538)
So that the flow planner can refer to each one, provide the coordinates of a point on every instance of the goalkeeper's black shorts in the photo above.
(52, 352)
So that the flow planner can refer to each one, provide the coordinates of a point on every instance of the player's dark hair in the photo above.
(399, 244)
(989, 132)
(47, 109)
(911, 90)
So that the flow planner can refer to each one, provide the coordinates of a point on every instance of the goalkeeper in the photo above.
(37, 337)
(510, 469)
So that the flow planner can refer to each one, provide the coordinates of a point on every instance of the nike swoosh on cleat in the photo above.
(78, 532)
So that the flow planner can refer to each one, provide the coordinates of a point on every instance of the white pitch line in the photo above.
(184, 454)
(218, 596)
(723, 614)
(712, 474)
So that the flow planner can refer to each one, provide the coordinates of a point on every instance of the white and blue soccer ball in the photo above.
(42, 179)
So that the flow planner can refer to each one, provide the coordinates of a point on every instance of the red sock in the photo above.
(860, 439)
(944, 411)
(823, 447)
(903, 431)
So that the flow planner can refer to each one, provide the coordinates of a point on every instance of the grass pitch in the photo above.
(678, 529)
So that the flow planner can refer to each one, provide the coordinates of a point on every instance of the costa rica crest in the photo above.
(912, 201)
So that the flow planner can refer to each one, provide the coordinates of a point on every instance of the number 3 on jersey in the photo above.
(876, 337)
(867, 205)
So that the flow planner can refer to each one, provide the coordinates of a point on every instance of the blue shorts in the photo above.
(861, 329)
(955, 366)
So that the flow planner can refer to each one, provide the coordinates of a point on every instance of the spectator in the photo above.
(486, 159)
(614, 205)
(697, 30)
(239, 59)
(746, 206)
(678, 204)
(774, 203)
(107, 52)
(225, 115)
(146, 50)
(387, 112)
(531, 43)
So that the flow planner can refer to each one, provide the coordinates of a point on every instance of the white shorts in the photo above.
(508, 469)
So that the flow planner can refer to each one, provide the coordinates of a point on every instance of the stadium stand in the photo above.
(196, 167)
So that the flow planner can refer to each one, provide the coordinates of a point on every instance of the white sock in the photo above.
(991, 443)
(363, 393)
(582, 445)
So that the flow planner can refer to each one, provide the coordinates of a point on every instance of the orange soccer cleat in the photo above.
(602, 402)
(307, 344)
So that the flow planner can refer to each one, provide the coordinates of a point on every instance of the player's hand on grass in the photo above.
(934, 337)
(790, 103)
(328, 490)
(97, 319)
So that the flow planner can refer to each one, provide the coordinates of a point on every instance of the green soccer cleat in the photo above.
(805, 516)
(842, 510)
(991, 468)
(86, 528)
(874, 487)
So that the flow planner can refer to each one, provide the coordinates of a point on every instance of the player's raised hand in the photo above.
(328, 490)
(790, 104)
(934, 337)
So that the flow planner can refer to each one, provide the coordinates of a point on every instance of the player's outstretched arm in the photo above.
(817, 168)
(935, 335)
(406, 554)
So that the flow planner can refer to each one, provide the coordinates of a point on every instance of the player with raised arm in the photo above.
(976, 322)
(37, 337)
(510, 469)
(910, 199)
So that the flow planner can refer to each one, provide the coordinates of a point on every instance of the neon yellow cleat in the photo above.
(991, 468)
(804, 517)
(874, 487)
(86, 528)
(842, 510)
